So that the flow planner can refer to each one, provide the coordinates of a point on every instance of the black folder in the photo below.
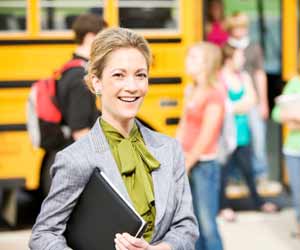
(99, 214)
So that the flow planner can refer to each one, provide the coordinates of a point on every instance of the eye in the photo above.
(118, 75)
(142, 76)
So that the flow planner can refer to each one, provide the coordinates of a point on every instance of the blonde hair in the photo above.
(237, 20)
(213, 60)
(108, 41)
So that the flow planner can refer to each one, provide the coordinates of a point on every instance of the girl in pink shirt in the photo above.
(199, 131)
(215, 28)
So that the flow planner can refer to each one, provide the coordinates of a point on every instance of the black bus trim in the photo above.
(13, 127)
(11, 42)
(27, 84)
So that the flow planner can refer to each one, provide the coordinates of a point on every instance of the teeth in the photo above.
(128, 99)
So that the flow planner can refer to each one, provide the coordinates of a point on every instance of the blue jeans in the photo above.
(293, 166)
(258, 139)
(205, 186)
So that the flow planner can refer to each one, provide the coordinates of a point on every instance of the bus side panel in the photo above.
(18, 158)
(32, 62)
(162, 110)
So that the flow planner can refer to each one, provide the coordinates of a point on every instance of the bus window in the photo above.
(146, 14)
(58, 15)
(12, 15)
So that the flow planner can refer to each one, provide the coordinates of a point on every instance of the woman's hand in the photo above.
(127, 242)
(289, 115)
(293, 125)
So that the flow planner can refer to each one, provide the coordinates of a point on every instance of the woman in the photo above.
(146, 167)
(242, 98)
(199, 132)
(291, 117)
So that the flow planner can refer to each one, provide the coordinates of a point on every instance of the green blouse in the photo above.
(135, 164)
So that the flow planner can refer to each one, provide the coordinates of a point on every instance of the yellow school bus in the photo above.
(35, 39)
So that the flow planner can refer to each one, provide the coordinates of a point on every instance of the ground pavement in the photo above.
(251, 231)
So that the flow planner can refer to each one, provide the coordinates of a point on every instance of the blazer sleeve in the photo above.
(183, 232)
(67, 184)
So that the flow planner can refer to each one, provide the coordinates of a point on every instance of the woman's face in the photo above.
(194, 63)
(239, 32)
(123, 84)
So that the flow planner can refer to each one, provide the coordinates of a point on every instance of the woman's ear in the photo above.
(97, 84)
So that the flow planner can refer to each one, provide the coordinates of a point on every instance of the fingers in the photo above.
(121, 243)
(127, 242)
(134, 241)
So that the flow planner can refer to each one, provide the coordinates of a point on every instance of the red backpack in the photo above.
(43, 114)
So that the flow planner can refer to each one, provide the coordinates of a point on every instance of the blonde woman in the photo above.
(199, 132)
(145, 166)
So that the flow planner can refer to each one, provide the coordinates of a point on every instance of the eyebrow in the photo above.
(124, 70)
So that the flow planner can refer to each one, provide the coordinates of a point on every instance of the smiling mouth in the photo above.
(128, 99)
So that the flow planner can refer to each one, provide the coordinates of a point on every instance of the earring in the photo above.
(98, 92)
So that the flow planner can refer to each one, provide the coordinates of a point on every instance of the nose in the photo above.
(131, 84)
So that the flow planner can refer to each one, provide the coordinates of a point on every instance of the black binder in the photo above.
(99, 214)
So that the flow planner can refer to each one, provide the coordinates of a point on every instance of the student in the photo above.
(153, 178)
(199, 132)
(215, 28)
(291, 149)
(238, 28)
(242, 97)
(76, 103)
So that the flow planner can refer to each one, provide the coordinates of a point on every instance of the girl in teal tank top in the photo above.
(241, 120)
(242, 98)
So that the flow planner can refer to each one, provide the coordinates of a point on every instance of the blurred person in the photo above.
(146, 167)
(199, 132)
(77, 104)
(242, 97)
(215, 28)
(238, 29)
(291, 148)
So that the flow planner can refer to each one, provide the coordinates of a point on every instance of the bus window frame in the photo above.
(63, 32)
(33, 29)
(14, 33)
(163, 31)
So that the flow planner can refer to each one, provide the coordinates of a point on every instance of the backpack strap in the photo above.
(74, 63)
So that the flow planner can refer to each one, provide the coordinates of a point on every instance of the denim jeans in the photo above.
(293, 166)
(240, 158)
(258, 139)
(205, 186)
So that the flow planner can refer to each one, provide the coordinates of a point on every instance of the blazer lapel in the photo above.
(162, 176)
(104, 160)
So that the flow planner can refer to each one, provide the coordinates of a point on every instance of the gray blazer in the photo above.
(175, 222)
